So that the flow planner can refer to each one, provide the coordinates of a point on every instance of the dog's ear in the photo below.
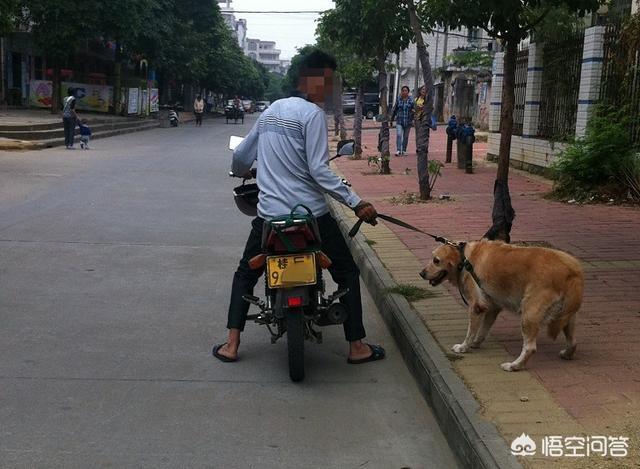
(452, 256)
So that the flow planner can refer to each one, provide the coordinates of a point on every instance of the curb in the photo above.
(41, 145)
(476, 442)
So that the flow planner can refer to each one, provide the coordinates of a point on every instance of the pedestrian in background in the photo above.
(418, 107)
(69, 117)
(208, 103)
(198, 108)
(403, 109)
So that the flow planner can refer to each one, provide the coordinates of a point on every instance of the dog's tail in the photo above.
(571, 305)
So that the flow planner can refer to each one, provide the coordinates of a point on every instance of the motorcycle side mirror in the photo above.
(346, 147)
(234, 141)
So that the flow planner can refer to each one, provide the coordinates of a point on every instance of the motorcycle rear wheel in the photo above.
(295, 343)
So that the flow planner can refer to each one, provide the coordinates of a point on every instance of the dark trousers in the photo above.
(343, 270)
(198, 118)
(69, 130)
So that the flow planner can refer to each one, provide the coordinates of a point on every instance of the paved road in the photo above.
(115, 270)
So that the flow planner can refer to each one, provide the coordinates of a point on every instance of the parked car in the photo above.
(371, 105)
(349, 103)
(262, 105)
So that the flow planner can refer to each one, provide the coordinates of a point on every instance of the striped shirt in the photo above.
(290, 144)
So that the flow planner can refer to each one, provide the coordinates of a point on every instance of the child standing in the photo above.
(85, 134)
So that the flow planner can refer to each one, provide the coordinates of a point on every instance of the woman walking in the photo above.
(198, 108)
(404, 110)
(69, 118)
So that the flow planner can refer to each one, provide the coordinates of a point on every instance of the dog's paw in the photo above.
(460, 348)
(510, 366)
(567, 353)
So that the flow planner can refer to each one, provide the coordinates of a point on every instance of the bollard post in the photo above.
(468, 154)
(449, 148)
(452, 129)
(461, 154)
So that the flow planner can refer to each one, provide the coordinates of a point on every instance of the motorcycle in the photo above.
(174, 120)
(294, 302)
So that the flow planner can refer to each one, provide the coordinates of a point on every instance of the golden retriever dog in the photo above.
(544, 286)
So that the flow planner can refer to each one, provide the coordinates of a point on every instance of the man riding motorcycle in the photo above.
(289, 143)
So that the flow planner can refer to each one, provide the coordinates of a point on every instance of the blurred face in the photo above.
(423, 91)
(316, 86)
(404, 92)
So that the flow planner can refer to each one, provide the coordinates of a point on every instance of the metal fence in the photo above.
(520, 87)
(620, 86)
(560, 86)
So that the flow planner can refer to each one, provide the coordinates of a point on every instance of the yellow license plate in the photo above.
(291, 270)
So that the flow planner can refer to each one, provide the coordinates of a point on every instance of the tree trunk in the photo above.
(56, 98)
(383, 140)
(337, 103)
(357, 123)
(422, 127)
(503, 213)
(117, 79)
(2, 87)
(338, 115)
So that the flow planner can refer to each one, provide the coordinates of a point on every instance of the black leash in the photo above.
(401, 223)
(465, 264)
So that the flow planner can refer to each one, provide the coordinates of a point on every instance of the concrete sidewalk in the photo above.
(35, 129)
(598, 393)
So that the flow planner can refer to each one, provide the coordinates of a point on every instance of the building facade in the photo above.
(264, 52)
(237, 26)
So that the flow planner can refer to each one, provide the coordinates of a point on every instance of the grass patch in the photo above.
(370, 242)
(411, 292)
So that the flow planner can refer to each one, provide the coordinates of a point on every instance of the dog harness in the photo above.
(465, 264)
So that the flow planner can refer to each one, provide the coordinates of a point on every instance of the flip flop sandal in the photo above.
(216, 353)
(377, 353)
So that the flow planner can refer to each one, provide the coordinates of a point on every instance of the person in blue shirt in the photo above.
(403, 110)
(85, 134)
(289, 142)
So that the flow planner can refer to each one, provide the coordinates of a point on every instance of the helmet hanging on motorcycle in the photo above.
(246, 198)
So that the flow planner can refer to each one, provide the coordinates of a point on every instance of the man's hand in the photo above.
(251, 174)
(366, 212)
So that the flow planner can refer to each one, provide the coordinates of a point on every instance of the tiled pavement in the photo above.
(598, 393)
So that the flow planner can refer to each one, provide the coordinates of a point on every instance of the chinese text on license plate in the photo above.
(291, 270)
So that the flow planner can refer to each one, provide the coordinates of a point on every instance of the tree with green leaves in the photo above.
(423, 127)
(341, 33)
(389, 32)
(362, 33)
(10, 14)
(274, 88)
(58, 29)
(508, 21)
(120, 21)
